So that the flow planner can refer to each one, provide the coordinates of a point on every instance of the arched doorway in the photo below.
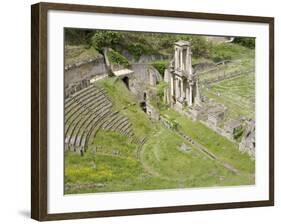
(144, 96)
(143, 106)
(143, 102)
(126, 81)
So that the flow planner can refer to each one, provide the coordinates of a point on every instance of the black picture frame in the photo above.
(39, 108)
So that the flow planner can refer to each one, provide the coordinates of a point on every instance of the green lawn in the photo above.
(226, 150)
(162, 165)
(237, 94)
(161, 155)
(109, 142)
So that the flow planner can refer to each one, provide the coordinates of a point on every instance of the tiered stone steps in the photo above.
(87, 112)
(119, 123)
(83, 110)
(81, 105)
(79, 95)
(140, 143)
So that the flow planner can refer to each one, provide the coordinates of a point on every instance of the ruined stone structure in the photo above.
(216, 115)
(248, 141)
(232, 126)
(144, 77)
(183, 83)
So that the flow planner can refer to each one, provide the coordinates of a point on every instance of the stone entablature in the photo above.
(182, 59)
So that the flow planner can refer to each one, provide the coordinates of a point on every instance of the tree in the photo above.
(77, 36)
(106, 39)
(248, 42)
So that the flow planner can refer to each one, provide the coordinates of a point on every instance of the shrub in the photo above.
(115, 58)
(222, 51)
(77, 36)
(220, 56)
(238, 133)
(248, 42)
(106, 39)
(199, 46)
(160, 88)
(160, 66)
(139, 49)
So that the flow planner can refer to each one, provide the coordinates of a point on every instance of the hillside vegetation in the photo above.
(137, 44)
(79, 53)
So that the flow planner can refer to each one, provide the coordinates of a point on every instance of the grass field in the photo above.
(219, 145)
(162, 165)
(237, 94)
(162, 156)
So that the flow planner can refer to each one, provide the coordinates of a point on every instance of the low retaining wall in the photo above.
(84, 70)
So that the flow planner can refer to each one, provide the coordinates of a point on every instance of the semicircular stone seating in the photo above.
(87, 112)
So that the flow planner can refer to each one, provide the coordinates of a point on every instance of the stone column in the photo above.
(197, 95)
(172, 85)
(189, 62)
(190, 95)
(177, 88)
(187, 95)
(183, 60)
(182, 91)
(181, 57)
(176, 58)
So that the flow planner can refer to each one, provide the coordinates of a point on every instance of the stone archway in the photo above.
(126, 81)
(144, 96)
(143, 106)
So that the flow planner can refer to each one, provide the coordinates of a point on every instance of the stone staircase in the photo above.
(87, 112)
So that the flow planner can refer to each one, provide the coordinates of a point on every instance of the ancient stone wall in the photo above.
(224, 76)
(84, 70)
(141, 79)
(145, 58)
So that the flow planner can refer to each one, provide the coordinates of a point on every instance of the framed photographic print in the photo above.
(139, 111)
